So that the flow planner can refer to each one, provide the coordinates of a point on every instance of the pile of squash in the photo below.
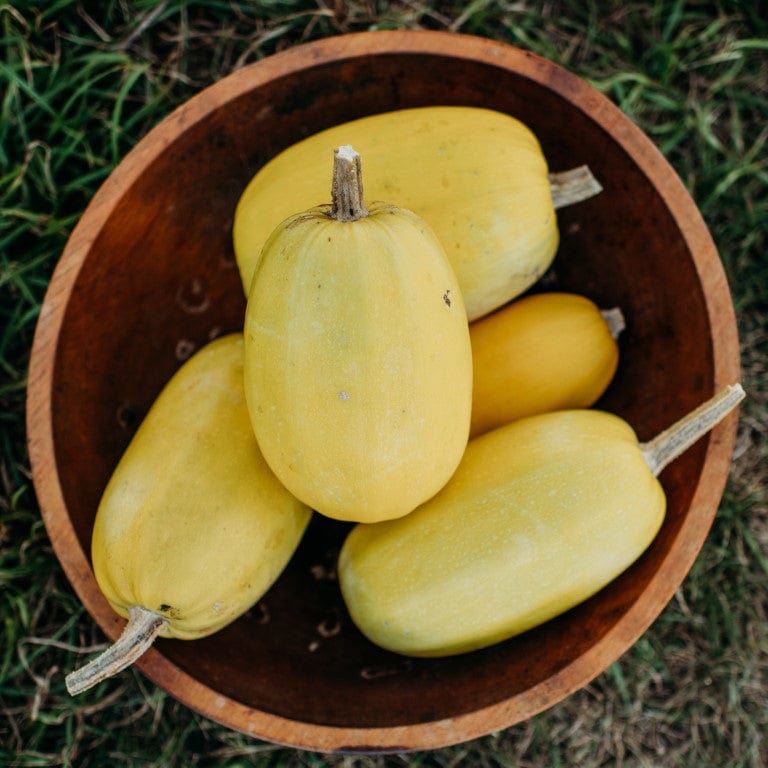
(391, 373)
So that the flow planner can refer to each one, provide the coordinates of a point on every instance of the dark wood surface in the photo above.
(149, 274)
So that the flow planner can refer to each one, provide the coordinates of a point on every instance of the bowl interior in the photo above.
(159, 280)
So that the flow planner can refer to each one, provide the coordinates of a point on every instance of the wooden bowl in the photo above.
(148, 275)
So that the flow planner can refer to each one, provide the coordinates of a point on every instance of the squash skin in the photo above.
(477, 176)
(192, 524)
(540, 515)
(544, 352)
(358, 370)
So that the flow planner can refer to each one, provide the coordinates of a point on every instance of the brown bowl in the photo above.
(148, 274)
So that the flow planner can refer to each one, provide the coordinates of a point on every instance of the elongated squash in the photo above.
(477, 176)
(539, 516)
(193, 527)
(358, 369)
(544, 352)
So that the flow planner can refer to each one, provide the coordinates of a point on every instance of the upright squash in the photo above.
(540, 515)
(193, 527)
(477, 176)
(358, 369)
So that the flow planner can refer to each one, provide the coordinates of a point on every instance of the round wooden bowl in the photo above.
(148, 275)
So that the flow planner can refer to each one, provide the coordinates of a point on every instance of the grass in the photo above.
(83, 81)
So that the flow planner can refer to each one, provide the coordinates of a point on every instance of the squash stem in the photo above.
(347, 186)
(573, 186)
(669, 444)
(615, 321)
(140, 632)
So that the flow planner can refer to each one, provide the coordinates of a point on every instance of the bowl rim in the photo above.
(435, 734)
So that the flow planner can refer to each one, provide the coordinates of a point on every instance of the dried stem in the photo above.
(614, 318)
(573, 186)
(140, 632)
(667, 446)
(347, 186)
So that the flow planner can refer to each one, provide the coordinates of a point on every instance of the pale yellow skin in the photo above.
(193, 524)
(544, 352)
(477, 176)
(358, 369)
(540, 515)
